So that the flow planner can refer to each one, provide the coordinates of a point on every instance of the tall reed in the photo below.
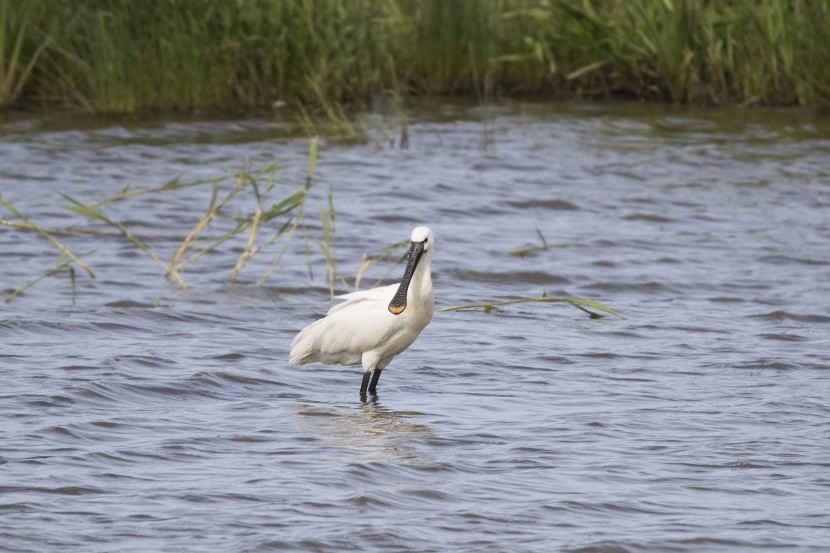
(124, 56)
(24, 36)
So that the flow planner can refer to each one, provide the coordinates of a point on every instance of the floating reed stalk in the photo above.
(210, 214)
(213, 209)
(522, 252)
(60, 265)
(250, 248)
(312, 166)
(579, 303)
(293, 205)
(69, 230)
(326, 244)
(92, 213)
(370, 259)
(48, 236)
(299, 198)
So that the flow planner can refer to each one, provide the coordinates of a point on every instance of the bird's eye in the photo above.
(425, 241)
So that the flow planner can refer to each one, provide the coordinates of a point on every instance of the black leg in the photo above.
(364, 384)
(375, 377)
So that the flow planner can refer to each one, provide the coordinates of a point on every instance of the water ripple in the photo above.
(697, 424)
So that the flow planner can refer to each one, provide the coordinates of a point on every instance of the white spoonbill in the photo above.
(370, 328)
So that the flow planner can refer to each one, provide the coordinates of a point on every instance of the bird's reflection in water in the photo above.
(369, 428)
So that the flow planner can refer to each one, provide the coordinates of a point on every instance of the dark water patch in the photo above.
(222, 379)
(783, 337)
(647, 287)
(59, 490)
(44, 326)
(605, 264)
(52, 401)
(228, 357)
(768, 364)
(141, 361)
(504, 165)
(727, 299)
(60, 432)
(452, 211)
(554, 359)
(525, 277)
(73, 368)
(404, 218)
(113, 327)
(703, 329)
(99, 393)
(601, 355)
(684, 124)
(780, 315)
(789, 260)
(172, 390)
(549, 204)
(128, 304)
(611, 547)
(648, 218)
(17, 508)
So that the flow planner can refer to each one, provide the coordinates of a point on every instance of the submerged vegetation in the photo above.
(125, 56)
(240, 208)
(579, 303)
(285, 215)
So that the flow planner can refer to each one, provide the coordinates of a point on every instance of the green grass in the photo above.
(127, 56)
(24, 36)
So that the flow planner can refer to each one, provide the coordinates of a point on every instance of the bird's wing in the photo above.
(358, 324)
(384, 293)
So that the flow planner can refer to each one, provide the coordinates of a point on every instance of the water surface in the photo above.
(699, 423)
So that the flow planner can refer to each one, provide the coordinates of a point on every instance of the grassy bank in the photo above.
(131, 56)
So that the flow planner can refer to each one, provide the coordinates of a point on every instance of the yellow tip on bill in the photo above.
(396, 309)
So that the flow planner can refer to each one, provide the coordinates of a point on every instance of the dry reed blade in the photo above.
(34, 281)
(309, 180)
(295, 201)
(367, 261)
(327, 244)
(87, 211)
(176, 184)
(214, 243)
(68, 230)
(48, 236)
(129, 192)
(285, 245)
(250, 249)
(522, 252)
(196, 230)
(241, 226)
(260, 217)
(212, 211)
(60, 264)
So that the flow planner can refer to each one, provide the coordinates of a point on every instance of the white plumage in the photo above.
(370, 328)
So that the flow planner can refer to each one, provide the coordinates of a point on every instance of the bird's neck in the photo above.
(421, 285)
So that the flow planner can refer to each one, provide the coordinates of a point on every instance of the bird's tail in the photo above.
(302, 346)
